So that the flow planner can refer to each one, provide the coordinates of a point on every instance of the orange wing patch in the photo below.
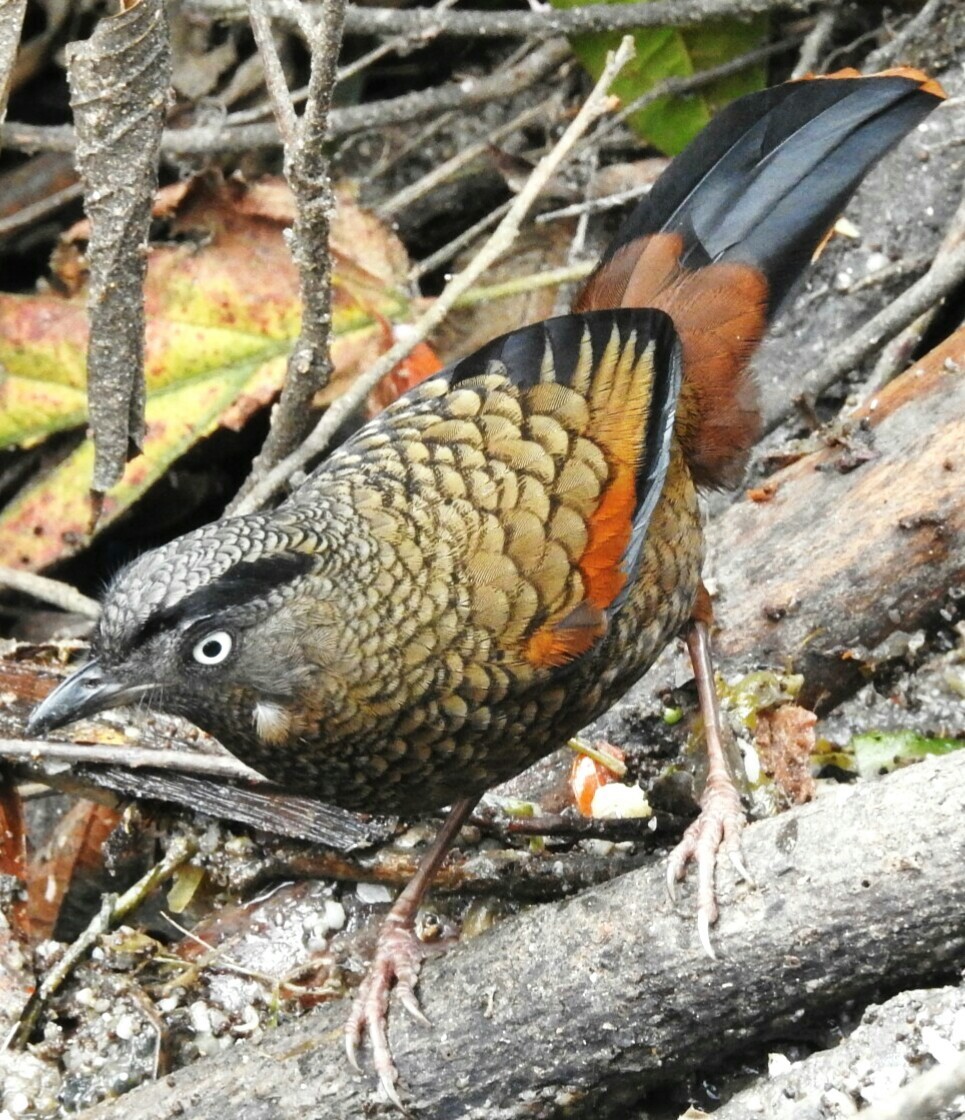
(556, 643)
(617, 392)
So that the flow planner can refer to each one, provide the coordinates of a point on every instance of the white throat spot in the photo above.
(272, 722)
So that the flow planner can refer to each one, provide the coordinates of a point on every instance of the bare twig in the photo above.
(943, 277)
(275, 81)
(498, 243)
(307, 170)
(224, 138)
(11, 21)
(817, 39)
(113, 909)
(34, 212)
(131, 758)
(458, 243)
(594, 205)
(893, 359)
(415, 141)
(51, 591)
(896, 355)
(400, 43)
(548, 278)
(447, 169)
(542, 24)
(849, 48)
(891, 52)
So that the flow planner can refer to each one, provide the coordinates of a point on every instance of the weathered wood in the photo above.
(843, 555)
(581, 1007)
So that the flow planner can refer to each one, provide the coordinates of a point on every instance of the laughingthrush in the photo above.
(487, 565)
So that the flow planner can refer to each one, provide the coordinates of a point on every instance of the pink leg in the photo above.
(721, 813)
(398, 957)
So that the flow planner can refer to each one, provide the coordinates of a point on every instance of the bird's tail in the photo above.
(733, 222)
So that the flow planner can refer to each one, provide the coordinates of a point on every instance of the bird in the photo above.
(488, 564)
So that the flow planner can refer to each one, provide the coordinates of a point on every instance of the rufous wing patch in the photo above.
(557, 643)
(618, 399)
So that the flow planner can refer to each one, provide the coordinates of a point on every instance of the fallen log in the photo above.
(582, 1007)
(858, 540)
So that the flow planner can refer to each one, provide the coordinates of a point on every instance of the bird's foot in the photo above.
(398, 958)
(718, 828)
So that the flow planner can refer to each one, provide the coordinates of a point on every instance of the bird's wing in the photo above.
(731, 224)
(550, 446)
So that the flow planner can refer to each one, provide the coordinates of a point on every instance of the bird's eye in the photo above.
(213, 648)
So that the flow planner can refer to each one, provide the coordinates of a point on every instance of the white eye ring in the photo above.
(213, 648)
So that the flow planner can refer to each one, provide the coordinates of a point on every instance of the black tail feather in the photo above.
(766, 179)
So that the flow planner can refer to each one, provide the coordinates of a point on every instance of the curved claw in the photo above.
(352, 1038)
(718, 827)
(703, 933)
(673, 875)
(396, 964)
(410, 1001)
(737, 862)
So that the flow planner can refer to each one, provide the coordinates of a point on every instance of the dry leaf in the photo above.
(222, 304)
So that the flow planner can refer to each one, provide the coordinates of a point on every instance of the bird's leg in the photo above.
(398, 957)
(721, 813)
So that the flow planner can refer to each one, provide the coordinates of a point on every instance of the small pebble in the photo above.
(371, 893)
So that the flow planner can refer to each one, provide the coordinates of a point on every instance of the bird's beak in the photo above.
(83, 693)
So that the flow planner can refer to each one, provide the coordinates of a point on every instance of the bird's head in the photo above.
(214, 627)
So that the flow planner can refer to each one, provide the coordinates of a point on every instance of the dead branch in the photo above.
(894, 357)
(40, 752)
(226, 138)
(113, 909)
(400, 43)
(275, 81)
(35, 212)
(461, 241)
(536, 25)
(512, 873)
(604, 997)
(216, 786)
(11, 21)
(501, 239)
(813, 46)
(945, 275)
(119, 82)
(891, 52)
(546, 110)
(48, 590)
(307, 170)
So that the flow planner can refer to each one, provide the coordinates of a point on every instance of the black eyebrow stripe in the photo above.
(242, 582)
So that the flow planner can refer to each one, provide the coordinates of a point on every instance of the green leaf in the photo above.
(878, 752)
(664, 52)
